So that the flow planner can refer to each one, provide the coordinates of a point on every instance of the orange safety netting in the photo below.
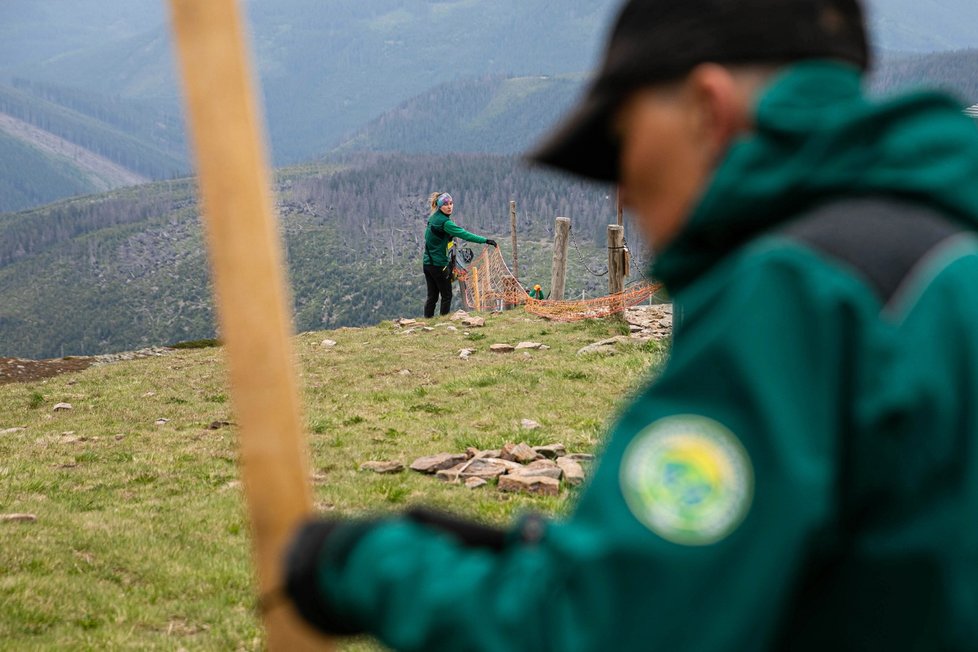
(488, 284)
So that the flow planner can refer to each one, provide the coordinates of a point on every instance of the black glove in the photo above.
(491, 242)
(316, 543)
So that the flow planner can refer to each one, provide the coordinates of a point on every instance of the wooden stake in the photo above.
(512, 230)
(619, 209)
(558, 272)
(616, 265)
(249, 283)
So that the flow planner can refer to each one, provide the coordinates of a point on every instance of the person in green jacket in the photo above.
(438, 260)
(803, 472)
(536, 292)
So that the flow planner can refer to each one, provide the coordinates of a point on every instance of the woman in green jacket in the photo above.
(438, 266)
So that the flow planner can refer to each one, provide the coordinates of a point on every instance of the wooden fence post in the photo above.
(512, 230)
(559, 268)
(616, 265)
(253, 307)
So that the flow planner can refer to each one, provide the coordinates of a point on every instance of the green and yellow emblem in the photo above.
(688, 479)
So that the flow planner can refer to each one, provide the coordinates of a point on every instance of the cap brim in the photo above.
(583, 143)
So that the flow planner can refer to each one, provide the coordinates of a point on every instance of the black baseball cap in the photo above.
(656, 41)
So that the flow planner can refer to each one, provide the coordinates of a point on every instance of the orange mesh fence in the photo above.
(488, 284)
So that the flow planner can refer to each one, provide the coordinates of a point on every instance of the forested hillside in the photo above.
(128, 269)
(493, 114)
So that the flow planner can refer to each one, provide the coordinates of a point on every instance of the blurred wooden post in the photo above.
(252, 300)
(559, 269)
(475, 289)
(619, 209)
(616, 265)
(512, 230)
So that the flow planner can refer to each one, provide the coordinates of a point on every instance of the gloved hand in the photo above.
(316, 544)
(491, 242)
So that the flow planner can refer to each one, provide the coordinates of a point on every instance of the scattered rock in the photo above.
(18, 518)
(382, 467)
(404, 372)
(573, 472)
(542, 468)
(474, 322)
(477, 467)
(650, 321)
(502, 348)
(459, 315)
(528, 346)
(452, 328)
(519, 453)
(61, 407)
(162, 422)
(531, 484)
(434, 463)
(10, 431)
(217, 425)
(465, 353)
(475, 483)
(604, 347)
(328, 343)
(529, 424)
(148, 394)
(551, 451)
(406, 322)
(427, 328)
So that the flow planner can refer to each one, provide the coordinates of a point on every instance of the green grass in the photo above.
(141, 539)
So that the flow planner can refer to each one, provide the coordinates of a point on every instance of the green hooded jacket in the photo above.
(439, 233)
(803, 473)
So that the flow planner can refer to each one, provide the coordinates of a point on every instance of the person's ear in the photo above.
(718, 109)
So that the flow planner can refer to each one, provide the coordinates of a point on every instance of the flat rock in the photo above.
(605, 347)
(477, 467)
(475, 483)
(435, 463)
(382, 467)
(18, 518)
(528, 346)
(404, 372)
(530, 484)
(573, 472)
(10, 431)
(519, 453)
(60, 407)
(501, 348)
(328, 343)
(551, 451)
(406, 322)
(529, 424)
(465, 353)
(459, 315)
(474, 322)
(542, 468)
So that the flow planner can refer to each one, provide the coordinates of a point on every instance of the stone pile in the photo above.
(514, 467)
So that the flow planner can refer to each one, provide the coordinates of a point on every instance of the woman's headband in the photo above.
(443, 199)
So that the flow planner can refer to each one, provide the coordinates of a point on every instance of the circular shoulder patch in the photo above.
(688, 479)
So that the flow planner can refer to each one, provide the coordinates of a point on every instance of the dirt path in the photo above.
(104, 173)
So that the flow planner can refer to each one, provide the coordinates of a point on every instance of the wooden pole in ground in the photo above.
(619, 209)
(558, 272)
(512, 230)
(616, 265)
(252, 300)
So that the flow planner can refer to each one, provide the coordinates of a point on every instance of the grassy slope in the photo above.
(141, 540)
